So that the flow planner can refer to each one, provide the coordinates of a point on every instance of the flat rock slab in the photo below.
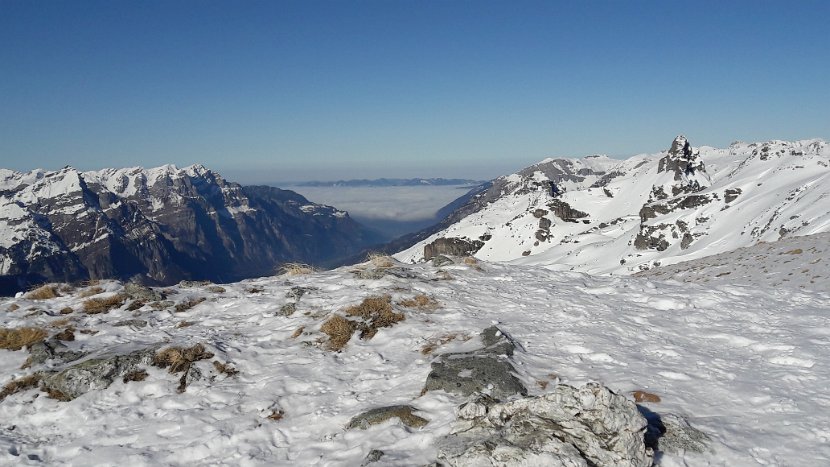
(485, 370)
(382, 414)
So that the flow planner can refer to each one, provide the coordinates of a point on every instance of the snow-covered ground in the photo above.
(745, 364)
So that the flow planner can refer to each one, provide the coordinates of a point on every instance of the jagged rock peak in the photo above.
(681, 159)
(681, 147)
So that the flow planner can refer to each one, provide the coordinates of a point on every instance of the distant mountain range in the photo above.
(601, 215)
(383, 182)
(159, 226)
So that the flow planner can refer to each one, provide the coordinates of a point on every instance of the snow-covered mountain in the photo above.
(601, 215)
(159, 226)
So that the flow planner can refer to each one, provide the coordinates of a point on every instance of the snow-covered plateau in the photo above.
(266, 375)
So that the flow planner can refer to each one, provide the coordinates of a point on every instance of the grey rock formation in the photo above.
(673, 434)
(587, 426)
(97, 372)
(486, 370)
(404, 413)
(54, 350)
(452, 247)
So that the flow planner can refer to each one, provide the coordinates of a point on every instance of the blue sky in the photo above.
(288, 90)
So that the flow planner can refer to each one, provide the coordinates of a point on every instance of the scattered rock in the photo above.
(142, 293)
(485, 370)
(589, 426)
(373, 456)
(133, 323)
(452, 246)
(297, 292)
(441, 260)
(382, 414)
(97, 372)
(288, 309)
(51, 349)
(673, 434)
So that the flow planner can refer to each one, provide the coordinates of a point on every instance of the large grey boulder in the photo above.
(485, 370)
(97, 372)
(586, 426)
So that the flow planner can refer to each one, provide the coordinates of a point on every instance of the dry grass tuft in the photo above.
(135, 375)
(67, 335)
(276, 415)
(542, 384)
(90, 332)
(17, 338)
(90, 291)
(378, 312)
(421, 302)
(797, 251)
(470, 261)
(13, 307)
(66, 310)
(19, 385)
(188, 304)
(643, 396)
(57, 395)
(379, 260)
(297, 333)
(44, 292)
(339, 330)
(59, 323)
(435, 342)
(225, 368)
(184, 324)
(94, 306)
(180, 359)
(296, 269)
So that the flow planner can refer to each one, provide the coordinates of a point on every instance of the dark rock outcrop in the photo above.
(161, 226)
(452, 247)
(404, 413)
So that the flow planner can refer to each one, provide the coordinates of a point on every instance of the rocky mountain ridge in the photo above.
(159, 226)
(600, 215)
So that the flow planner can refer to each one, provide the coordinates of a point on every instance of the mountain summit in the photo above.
(159, 226)
(601, 215)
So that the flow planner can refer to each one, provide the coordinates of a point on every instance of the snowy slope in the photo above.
(747, 365)
(627, 216)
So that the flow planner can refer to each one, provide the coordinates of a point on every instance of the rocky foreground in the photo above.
(452, 362)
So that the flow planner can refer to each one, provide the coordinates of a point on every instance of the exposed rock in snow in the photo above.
(622, 217)
(404, 413)
(568, 426)
(485, 370)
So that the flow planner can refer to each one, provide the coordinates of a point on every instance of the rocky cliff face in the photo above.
(601, 215)
(159, 226)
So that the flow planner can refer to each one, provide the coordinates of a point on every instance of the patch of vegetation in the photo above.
(13, 307)
(67, 335)
(90, 291)
(66, 310)
(17, 338)
(180, 359)
(44, 292)
(379, 260)
(443, 339)
(225, 368)
(298, 332)
(135, 375)
(296, 269)
(188, 304)
(643, 396)
(339, 330)
(421, 302)
(377, 313)
(19, 385)
(95, 306)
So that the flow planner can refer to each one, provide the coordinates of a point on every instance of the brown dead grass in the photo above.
(180, 359)
(67, 335)
(377, 313)
(184, 324)
(135, 375)
(57, 395)
(339, 330)
(443, 339)
(298, 332)
(225, 368)
(17, 338)
(90, 291)
(19, 385)
(59, 323)
(13, 307)
(421, 302)
(797, 251)
(95, 306)
(296, 269)
(643, 396)
(380, 260)
(542, 384)
(276, 415)
(66, 310)
(44, 292)
(188, 304)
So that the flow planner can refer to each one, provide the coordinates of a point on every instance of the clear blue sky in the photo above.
(284, 90)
